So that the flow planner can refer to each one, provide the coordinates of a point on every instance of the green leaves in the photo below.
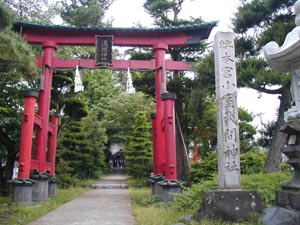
(85, 13)
(6, 17)
(138, 152)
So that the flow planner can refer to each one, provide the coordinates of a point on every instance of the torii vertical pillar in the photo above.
(26, 134)
(40, 188)
(160, 50)
(22, 187)
(170, 185)
(44, 104)
(51, 155)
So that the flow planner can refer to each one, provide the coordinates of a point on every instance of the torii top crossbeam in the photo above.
(189, 35)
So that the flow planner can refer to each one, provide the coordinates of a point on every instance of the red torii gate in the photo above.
(50, 37)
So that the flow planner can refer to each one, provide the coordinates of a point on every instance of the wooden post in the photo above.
(26, 134)
(44, 105)
(160, 85)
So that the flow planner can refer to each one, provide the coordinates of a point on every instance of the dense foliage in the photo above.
(18, 73)
(252, 162)
(257, 23)
(139, 149)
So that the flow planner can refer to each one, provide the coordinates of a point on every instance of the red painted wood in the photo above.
(26, 137)
(116, 64)
(127, 37)
(44, 105)
(34, 165)
(38, 120)
(51, 128)
(161, 86)
(51, 154)
(170, 138)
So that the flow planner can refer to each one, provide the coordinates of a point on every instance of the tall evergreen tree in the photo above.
(85, 12)
(259, 22)
(121, 112)
(42, 11)
(17, 72)
(138, 152)
(75, 149)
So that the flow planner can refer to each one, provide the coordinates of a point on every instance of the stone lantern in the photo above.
(287, 59)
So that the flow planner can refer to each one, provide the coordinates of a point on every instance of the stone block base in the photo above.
(152, 187)
(157, 189)
(40, 190)
(229, 205)
(289, 199)
(22, 192)
(153, 180)
(166, 188)
(52, 188)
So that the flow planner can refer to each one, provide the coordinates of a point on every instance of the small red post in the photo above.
(195, 156)
(155, 147)
(26, 134)
(170, 135)
(44, 104)
(160, 50)
(51, 154)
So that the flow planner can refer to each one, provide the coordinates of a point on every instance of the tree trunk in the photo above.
(6, 174)
(274, 156)
(6, 171)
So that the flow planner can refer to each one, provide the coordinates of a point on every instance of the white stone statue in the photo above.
(287, 59)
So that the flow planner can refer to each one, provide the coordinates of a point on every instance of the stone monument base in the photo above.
(166, 188)
(229, 205)
(22, 191)
(289, 199)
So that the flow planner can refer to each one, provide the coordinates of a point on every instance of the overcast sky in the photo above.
(127, 13)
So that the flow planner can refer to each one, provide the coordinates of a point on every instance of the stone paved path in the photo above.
(108, 203)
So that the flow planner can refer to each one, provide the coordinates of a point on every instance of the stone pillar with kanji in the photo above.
(228, 202)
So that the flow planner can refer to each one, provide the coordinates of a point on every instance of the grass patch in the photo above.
(150, 210)
(11, 214)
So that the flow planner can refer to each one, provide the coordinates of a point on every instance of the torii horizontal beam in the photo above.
(188, 35)
(116, 64)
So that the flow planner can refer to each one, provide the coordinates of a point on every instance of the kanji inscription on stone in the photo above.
(227, 112)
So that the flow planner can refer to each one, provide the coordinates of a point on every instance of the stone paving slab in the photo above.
(95, 207)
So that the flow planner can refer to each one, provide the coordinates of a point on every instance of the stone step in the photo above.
(109, 186)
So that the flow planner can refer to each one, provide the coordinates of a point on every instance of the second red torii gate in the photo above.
(159, 39)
